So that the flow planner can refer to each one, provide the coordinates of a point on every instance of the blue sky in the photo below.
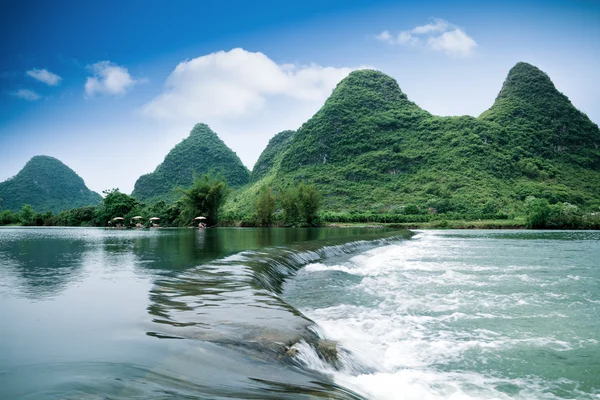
(109, 88)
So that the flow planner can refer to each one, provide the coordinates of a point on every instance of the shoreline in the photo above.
(440, 224)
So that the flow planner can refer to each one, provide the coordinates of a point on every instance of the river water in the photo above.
(298, 313)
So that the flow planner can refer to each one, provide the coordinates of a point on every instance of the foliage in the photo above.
(371, 150)
(116, 204)
(277, 145)
(300, 205)
(27, 215)
(46, 184)
(203, 152)
(541, 214)
(204, 198)
(309, 202)
(265, 206)
(537, 212)
(290, 207)
(8, 218)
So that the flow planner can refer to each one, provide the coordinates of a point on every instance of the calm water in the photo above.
(292, 313)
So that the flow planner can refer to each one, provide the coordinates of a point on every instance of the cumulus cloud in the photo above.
(438, 35)
(230, 84)
(26, 94)
(455, 42)
(438, 25)
(45, 76)
(109, 78)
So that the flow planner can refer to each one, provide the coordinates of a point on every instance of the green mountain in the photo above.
(370, 149)
(276, 147)
(201, 152)
(542, 120)
(47, 185)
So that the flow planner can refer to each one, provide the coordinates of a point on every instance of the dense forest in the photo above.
(46, 184)
(371, 155)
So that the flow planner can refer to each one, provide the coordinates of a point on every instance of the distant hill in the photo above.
(47, 185)
(370, 149)
(201, 152)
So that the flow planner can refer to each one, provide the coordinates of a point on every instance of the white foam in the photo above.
(424, 288)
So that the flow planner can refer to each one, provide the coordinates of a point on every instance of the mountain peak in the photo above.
(42, 164)
(47, 184)
(202, 129)
(373, 81)
(541, 119)
(528, 82)
(200, 153)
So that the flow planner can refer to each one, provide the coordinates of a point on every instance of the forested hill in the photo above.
(46, 184)
(541, 120)
(370, 149)
(202, 152)
(277, 145)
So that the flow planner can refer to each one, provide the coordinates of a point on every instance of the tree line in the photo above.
(205, 197)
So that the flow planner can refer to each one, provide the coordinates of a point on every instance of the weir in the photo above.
(235, 301)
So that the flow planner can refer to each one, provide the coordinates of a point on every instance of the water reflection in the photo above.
(88, 312)
(42, 265)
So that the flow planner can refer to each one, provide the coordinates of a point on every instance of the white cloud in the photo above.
(384, 36)
(43, 75)
(438, 25)
(109, 78)
(26, 94)
(245, 97)
(455, 42)
(231, 84)
(439, 35)
(406, 38)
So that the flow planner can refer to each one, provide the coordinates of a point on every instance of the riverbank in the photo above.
(443, 224)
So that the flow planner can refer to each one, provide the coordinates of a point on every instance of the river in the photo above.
(338, 313)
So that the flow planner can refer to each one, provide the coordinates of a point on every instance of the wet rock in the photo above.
(328, 351)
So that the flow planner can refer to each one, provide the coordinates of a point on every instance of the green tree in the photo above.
(265, 206)
(289, 204)
(27, 215)
(7, 218)
(309, 201)
(204, 198)
(537, 212)
(411, 209)
(114, 204)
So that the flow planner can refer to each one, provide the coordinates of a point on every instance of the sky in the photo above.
(109, 87)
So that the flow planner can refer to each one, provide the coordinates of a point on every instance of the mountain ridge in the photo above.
(369, 148)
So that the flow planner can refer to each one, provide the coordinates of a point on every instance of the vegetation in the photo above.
(265, 206)
(200, 153)
(116, 204)
(46, 184)
(204, 198)
(370, 155)
(373, 154)
(268, 158)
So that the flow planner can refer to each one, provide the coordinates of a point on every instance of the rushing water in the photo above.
(298, 313)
